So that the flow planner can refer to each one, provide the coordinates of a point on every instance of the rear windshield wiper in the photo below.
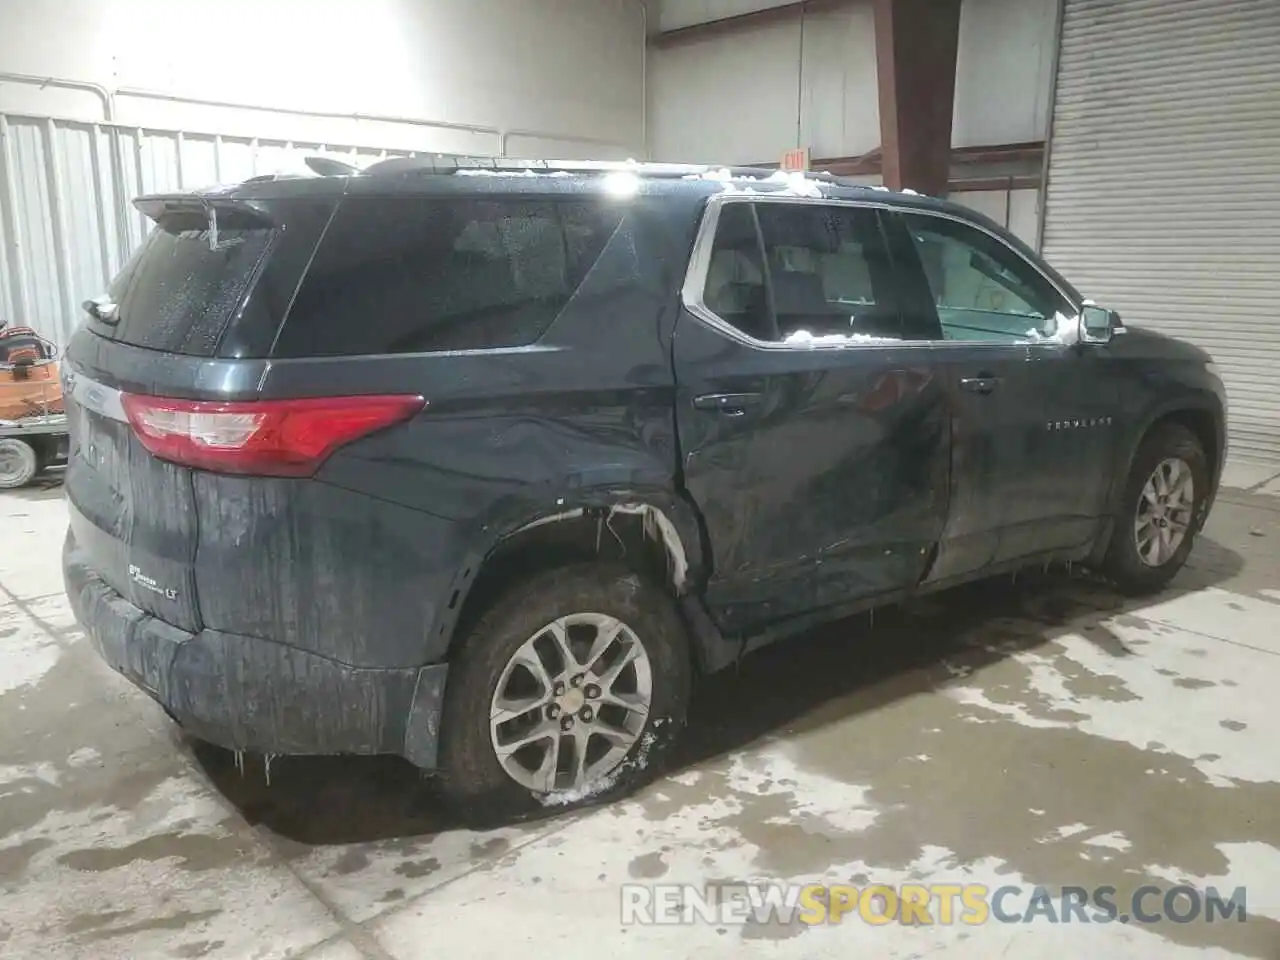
(102, 309)
(216, 245)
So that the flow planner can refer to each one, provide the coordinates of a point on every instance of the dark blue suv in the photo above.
(482, 465)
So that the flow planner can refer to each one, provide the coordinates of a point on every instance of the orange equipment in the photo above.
(29, 380)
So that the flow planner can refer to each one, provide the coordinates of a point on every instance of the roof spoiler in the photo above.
(213, 208)
(328, 167)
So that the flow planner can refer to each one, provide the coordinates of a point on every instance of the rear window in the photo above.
(409, 275)
(177, 292)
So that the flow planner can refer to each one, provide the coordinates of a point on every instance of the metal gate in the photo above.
(66, 222)
(1163, 191)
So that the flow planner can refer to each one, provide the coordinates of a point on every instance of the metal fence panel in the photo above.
(66, 219)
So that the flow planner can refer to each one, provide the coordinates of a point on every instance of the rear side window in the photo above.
(409, 275)
(178, 293)
(796, 272)
(829, 272)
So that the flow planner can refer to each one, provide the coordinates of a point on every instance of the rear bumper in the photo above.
(244, 693)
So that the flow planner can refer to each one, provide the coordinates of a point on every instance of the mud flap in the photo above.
(422, 729)
(713, 650)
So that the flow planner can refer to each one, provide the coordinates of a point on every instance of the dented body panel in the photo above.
(829, 486)
(317, 614)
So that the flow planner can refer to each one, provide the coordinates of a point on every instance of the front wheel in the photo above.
(568, 691)
(1161, 511)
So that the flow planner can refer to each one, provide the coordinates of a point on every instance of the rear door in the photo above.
(814, 438)
(158, 330)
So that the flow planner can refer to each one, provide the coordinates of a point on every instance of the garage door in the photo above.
(1163, 196)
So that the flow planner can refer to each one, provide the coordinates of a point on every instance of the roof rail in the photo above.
(498, 165)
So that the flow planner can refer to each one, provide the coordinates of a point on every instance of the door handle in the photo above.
(982, 385)
(729, 404)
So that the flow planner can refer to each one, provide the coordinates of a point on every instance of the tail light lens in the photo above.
(276, 438)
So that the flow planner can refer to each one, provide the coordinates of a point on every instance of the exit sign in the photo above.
(796, 161)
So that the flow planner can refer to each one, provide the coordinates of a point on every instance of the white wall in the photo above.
(737, 97)
(683, 13)
(1016, 209)
(571, 70)
(750, 95)
(540, 78)
(1003, 71)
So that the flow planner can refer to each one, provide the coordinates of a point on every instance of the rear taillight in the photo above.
(277, 438)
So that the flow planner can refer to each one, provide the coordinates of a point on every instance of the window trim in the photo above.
(695, 281)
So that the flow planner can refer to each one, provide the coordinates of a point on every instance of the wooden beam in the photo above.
(709, 29)
(1030, 151)
(917, 43)
(1028, 182)
(868, 164)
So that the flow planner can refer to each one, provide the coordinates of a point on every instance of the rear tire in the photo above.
(1160, 512)
(18, 463)
(621, 703)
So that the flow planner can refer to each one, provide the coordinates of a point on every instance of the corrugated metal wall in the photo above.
(66, 220)
(1163, 195)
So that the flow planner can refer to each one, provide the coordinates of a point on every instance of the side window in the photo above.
(408, 275)
(808, 272)
(982, 289)
(829, 273)
(734, 289)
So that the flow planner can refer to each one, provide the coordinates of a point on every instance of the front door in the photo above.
(1031, 411)
(814, 439)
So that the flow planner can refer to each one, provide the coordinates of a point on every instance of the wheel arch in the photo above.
(656, 534)
(1203, 416)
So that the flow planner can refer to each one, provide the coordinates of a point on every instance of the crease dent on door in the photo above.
(819, 466)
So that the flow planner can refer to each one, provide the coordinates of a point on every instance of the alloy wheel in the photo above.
(1165, 512)
(571, 703)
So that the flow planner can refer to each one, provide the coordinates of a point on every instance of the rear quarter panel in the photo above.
(369, 563)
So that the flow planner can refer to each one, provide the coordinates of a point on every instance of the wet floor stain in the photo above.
(177, 921)
(1084, 684)
(53, 718)
(94, 921)
(907, 773)
(352, 861)
(1193, 683)
(416, 869)
(647, 866)
(493, 847)
(14, 859)
(192, 851)
(1031, 790)
(197, 949)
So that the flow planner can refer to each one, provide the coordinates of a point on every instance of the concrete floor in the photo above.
(1037, 732)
